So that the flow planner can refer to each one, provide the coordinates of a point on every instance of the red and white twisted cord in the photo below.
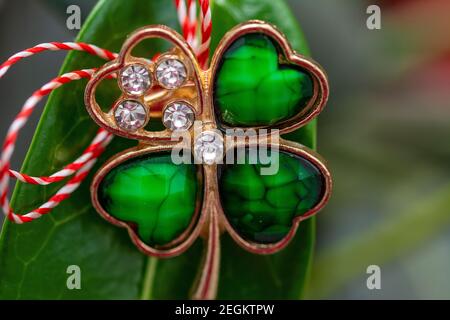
(55, 46)
(62, 193)
(187, 16)
(82, 165)
(22, 118)
(28, 107)
(92, 151)
(206, 29)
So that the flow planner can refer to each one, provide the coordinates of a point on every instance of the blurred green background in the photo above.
(384, 133)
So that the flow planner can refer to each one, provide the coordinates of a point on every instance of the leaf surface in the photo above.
(34, 257)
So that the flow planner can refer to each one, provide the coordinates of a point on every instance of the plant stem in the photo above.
(149, 276)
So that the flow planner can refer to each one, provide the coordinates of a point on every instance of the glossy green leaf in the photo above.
(34, 257)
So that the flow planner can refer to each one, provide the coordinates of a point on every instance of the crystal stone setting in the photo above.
(135, 79)
(171, 73)
(208, 148)
(130, 115)
(178, 116)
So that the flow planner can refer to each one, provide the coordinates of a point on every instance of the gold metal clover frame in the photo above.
(210, 220)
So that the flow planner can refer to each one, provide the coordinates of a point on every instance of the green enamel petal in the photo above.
(286, 172)
(155, 195)
(295, 188)
(245, 178)
(286, 192)
(252, 89)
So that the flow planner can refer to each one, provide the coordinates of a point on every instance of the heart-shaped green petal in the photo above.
(154, 195)
(251, 87)
(261, 207)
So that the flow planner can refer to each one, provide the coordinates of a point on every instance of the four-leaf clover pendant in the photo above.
(224, 116)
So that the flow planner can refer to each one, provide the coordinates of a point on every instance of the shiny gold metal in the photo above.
(210, 220)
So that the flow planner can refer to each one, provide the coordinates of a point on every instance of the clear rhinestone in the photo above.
(208, 147)
(178, 116)
(171, 73)
(135, 79)
(130, 115)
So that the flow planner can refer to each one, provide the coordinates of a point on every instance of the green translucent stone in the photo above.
(261, 208)
(157, 197)
(251, 87)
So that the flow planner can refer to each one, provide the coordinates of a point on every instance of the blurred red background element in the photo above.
(397, 3)
(425, 25)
